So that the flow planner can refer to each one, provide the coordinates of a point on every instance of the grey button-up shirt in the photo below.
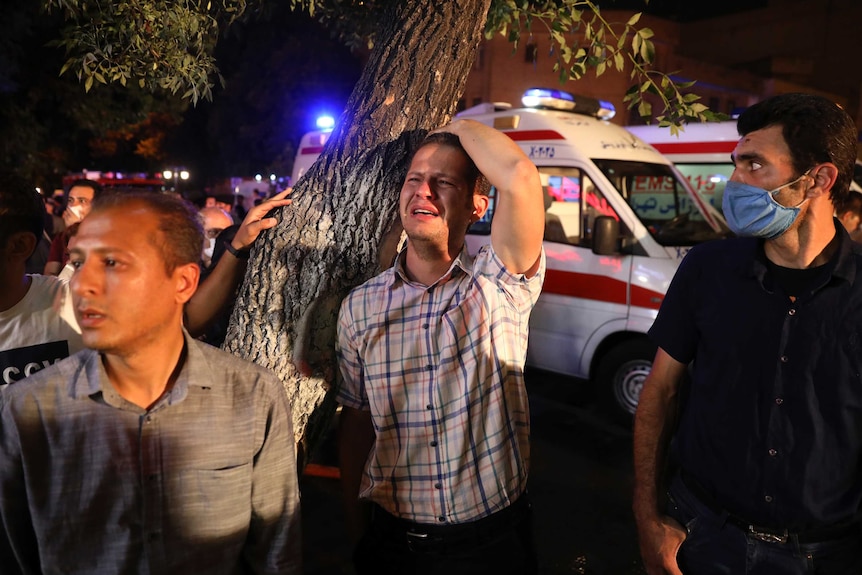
(203, 482)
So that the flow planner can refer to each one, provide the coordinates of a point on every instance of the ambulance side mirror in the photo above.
(606, 234)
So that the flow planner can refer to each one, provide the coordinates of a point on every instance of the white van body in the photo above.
(310, 148)
(597, 305)
(701, 152)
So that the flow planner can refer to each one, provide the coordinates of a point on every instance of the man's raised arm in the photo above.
(519, 216)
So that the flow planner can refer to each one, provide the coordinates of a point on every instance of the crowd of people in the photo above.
(130, 444)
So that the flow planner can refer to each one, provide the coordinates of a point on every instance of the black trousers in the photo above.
(716, 546)
(500, 544)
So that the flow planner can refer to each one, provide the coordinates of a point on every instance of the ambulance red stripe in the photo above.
(695, 147)
(598, 288)
(527, 135)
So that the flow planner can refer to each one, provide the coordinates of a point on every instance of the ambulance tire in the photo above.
(620, 377)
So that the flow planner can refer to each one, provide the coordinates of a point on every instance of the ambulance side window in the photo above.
(572, 203)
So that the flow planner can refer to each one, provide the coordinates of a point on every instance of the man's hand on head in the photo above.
(255, 221)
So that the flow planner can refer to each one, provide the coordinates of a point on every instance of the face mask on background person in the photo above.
(753, 211)
(78, 211)
(208, 249)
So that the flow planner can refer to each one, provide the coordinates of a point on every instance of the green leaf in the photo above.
(634, 19)
(644, 109)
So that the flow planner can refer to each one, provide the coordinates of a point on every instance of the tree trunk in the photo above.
(343, 226)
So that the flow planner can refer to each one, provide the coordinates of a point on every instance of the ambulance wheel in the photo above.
(620, 377)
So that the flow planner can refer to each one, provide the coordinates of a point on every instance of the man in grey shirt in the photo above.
(149, 453)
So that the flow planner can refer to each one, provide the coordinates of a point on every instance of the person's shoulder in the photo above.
(236, 370)
(723, 251)
(43, 284)
(370, 287)
(48, 380)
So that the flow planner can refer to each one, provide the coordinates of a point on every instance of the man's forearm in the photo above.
(654, 423)
(355, 438)
(214, 294)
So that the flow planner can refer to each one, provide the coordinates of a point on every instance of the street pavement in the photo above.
(581, 482)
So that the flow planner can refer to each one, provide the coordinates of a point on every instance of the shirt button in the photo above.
(433, 444)
(149, 419)
(768, 498)
(429, 406)
(773, 452)
(429, 367)
(438, 486)
(784, 359)
(792, 311)
(778, 401)
(424, 326)
(441, 519)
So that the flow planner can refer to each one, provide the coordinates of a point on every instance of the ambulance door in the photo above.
(582, 291)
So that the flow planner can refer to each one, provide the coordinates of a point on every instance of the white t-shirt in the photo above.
(39, 330)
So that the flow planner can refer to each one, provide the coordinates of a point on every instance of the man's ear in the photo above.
(187, 277)
(20, 246)
(480, 206)
(824, 178)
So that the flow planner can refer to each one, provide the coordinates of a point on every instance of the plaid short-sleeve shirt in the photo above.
(441, 369)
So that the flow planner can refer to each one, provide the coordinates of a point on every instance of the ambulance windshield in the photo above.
(662, 202)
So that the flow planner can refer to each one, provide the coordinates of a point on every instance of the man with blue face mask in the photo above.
(753, 465)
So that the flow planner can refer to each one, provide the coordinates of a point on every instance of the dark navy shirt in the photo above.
(772, 426)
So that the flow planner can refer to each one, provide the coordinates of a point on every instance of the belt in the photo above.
(770, 534)
(452, 538)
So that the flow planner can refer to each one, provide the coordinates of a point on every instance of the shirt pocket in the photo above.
(213, 503)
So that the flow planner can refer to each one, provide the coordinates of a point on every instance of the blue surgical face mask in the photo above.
(753, 211)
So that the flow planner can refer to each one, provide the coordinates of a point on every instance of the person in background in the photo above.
(79, 201)
(753, 466)
(434, 437)
(850, 214)
(230, 255)
(37, 260)
(37, 323)
(149, 452)
(214, 221)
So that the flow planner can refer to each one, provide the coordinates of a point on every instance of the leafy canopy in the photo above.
(168, 44)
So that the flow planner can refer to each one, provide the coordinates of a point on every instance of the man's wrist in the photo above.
(238, 254)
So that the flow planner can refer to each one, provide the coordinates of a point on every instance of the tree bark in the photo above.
(343, 226)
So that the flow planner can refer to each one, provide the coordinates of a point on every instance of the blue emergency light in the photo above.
(325, 122)
(560, 100)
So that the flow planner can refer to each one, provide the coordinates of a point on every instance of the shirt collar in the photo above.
(841, 265)
(90, 377)
(463, 262)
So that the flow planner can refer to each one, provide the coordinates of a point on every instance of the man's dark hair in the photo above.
(816, 130)
(85, 183)
(22, 209)
(475, 179)
(182, 236)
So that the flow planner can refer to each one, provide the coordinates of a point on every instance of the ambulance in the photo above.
(619, 217)
(702, 151)
(310, 147)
